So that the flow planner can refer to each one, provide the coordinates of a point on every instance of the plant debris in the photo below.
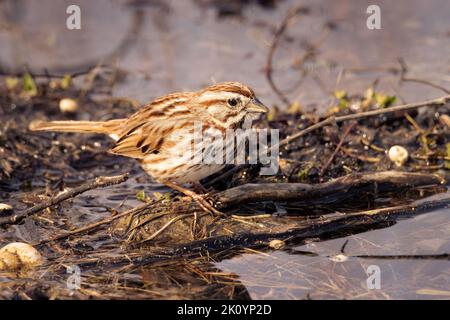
(120, 233)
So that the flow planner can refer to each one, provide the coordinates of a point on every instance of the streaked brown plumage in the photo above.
(157, 133)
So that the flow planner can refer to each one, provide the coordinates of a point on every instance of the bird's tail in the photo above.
(106, 127)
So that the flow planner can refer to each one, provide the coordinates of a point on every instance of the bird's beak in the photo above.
(257, 106)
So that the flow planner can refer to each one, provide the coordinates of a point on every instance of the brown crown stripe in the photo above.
(226, 86)
(231, 87)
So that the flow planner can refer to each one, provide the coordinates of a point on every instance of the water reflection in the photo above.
(316, 272)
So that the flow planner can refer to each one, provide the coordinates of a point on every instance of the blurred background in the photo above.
(163, 46)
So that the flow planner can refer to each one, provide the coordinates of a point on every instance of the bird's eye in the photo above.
(233, 102)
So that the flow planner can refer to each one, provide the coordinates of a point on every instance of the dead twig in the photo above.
(442, 256)
(99, 182)
(164, 227)
(310, 53)
(277, 37)
(338, 147)
(403, 78)
(438, 102)
(307, 130)
(323, 227)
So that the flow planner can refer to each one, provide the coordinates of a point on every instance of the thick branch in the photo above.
(329, 192)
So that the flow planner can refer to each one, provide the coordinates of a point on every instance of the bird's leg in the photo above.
(198, 188)
(202, 202)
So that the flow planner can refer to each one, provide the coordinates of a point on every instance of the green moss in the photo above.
(29, 86)
(66, 81)
(384, 101)
(141, 196)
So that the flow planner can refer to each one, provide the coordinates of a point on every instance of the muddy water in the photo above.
(177, 45)
(318, 270)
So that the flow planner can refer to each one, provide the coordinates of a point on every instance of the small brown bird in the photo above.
(159, 132)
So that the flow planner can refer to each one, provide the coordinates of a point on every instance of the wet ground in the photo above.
(155, 47)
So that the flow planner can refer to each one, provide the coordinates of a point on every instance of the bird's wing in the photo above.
(151, 130)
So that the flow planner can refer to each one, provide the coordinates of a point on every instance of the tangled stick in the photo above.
(312, 229)
(97, 224)
(338, 147)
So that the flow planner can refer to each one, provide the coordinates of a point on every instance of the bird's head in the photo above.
(229, 103)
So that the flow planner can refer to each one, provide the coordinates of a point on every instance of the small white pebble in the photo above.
(398, 155)
(445, 119)
(339, 258)
(68, 105)
(18, 255)
(276, 244)
(5, 207)
(355, 107)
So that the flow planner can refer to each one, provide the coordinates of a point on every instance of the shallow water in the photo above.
(320, 271)
(183, 45)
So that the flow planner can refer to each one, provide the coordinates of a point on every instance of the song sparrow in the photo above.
(157, 133)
